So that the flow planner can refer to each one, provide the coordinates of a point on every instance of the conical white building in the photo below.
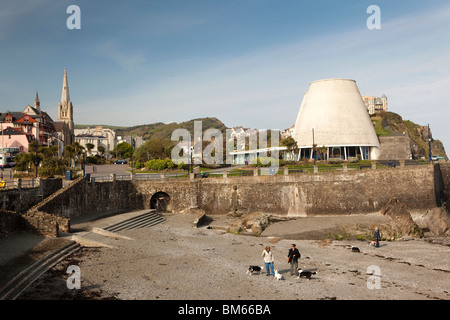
(334, 118)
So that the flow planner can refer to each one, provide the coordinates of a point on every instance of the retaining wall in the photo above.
(332, 193)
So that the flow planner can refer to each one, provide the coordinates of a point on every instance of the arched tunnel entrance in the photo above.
(160, 201)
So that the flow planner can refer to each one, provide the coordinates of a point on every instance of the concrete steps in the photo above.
(146, 220)
(98, 236)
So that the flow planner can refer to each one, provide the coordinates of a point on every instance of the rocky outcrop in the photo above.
(434, 222)
(401, 223)
(254, 222)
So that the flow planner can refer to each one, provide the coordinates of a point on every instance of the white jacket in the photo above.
(268, 257)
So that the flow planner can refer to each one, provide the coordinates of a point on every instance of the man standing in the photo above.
(377, 237)
(293, 257)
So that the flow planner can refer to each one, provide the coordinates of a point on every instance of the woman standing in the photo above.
(268, 260)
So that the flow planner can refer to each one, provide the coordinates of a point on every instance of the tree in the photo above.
(102, 150)
(73, 151)
(78, 148)
(122, 150)
(69, 153)
(89, 147)
(155, 148)
(322, 151)
(290, 144)
(48, 162)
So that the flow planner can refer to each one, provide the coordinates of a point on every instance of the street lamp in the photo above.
(36, 160)
(313, 147)
(429, 143)
(132, 145)
(84, 163)
(192, 163)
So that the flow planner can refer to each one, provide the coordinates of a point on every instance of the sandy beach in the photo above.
(175, 261)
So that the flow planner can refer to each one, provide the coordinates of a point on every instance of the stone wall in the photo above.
(319, 193)
(21, 199)
(9, 222)
(444, 187)
(83, 197)
(332, 193)
(395, 147)
(14, 204)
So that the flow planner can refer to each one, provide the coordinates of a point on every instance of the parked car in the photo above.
(120, 162)
(434, 158)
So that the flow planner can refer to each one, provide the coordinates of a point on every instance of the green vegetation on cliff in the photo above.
(390, 123)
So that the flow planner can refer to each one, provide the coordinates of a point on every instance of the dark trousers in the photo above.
(294, 266)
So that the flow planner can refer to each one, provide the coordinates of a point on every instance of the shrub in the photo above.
(91, 159)
(159, 164)
(263, 162)
(335, 160)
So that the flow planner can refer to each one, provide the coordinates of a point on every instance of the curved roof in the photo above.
(335, 110)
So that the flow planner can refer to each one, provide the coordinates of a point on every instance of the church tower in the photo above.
(37, 103)
(65, 109)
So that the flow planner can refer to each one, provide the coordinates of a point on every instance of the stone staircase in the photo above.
(145, 220)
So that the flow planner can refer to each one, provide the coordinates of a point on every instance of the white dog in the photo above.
(278, 276)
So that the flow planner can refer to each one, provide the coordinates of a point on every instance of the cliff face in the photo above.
(390, 123)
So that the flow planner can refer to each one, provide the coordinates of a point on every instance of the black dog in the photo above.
(253, 269)
(305, 274)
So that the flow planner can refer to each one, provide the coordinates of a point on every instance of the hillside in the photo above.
(390, 123)
(161, 130)
(164, 131)
(386, 123)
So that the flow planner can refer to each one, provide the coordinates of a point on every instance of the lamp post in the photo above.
(192, 164)
(313, 147)
(132, 145)
(36, 160)
(84, 163)
(429, 143)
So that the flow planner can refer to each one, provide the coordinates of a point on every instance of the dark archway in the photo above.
(160, 201)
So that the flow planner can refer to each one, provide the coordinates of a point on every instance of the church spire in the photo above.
(65, 112)
(37, 103)
(65, 99)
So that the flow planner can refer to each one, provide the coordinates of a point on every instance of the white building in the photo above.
(97, 136)
(333, 116)
(242, 156)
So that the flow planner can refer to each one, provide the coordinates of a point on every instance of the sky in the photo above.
(246, 62)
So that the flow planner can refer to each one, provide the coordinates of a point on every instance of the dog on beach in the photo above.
(305, 274)
(254, 269)
(278, 276)
(355, 249)
(372, 243)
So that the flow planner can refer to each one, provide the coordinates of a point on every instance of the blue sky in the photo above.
(246, 62)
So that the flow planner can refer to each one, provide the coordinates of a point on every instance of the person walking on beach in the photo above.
(293, 257)
(268, 260)
(377, 237)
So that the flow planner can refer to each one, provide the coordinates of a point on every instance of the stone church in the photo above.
(65, 125)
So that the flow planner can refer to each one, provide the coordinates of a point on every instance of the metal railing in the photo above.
(288, 170)
(20, 183)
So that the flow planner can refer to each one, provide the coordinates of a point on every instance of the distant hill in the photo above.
(162, 130)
